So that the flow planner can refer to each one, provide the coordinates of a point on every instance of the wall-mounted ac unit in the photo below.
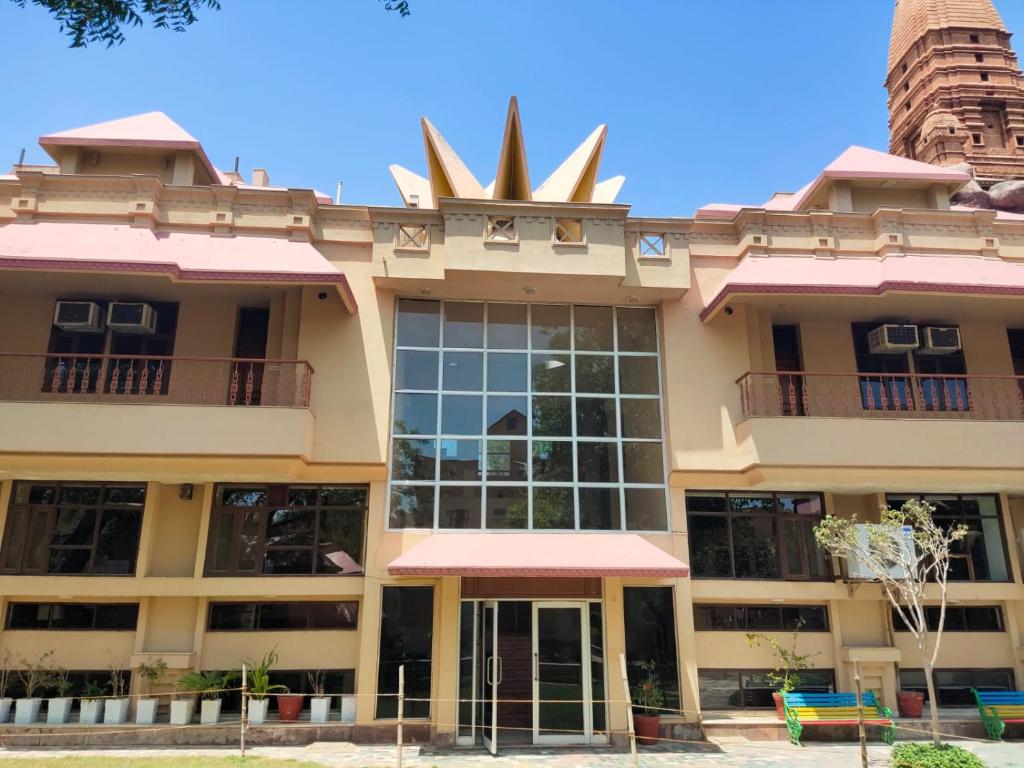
(940, 341)
(131, 317)
(79, 316)
(890, 338)
(858, 571)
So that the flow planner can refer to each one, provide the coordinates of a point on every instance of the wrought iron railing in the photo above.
(882, 395)
(154, 379)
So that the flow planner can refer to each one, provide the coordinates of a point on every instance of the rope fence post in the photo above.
(862, 732)
(629, 711)
(244, 722)
(401, 710)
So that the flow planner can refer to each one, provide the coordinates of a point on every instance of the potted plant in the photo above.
(348, 708)
(34, 676)
(209, 685)
(116, 711)
(92, 703)
(58, 709)
(5, 676)
(320, 703)
(182, 710)
(789, 662)
(648, 698)
(152, 673)
(289, 705)
(259, 687)
(910, 703)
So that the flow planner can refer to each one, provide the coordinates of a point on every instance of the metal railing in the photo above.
(882, 395)
(154, 379)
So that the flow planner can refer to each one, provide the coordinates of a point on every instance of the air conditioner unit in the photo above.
(858, 571)
(131, 317)
(886, 339)
(79, 316)
(940, 341)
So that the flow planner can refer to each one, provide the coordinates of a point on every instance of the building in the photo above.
(503, 435)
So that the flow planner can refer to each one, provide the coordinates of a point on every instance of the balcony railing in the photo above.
(147, 379)
(882, 395)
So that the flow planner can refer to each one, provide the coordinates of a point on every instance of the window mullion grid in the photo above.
(486, 401)
(573, 423)
(529, 413)
(618, 420)
(666, 465)
(438, 429)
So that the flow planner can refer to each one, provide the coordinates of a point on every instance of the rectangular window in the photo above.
(953, 686)
(981, 554)
(568, 231)
(107, 617)
(749, 688)
(73, 529)
(406, 638)
(501, 229)
(649, 614)
(517, 416)
(269, 530)
(755, 535)
(970, 618)
(651, 245)
(278, 616)
(761, 618)
(412, 236)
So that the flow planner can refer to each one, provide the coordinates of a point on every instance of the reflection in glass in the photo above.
(507, 507)
(463, 371)
(594, 328)
(415, 369)
(415, 414)
(559, 671)
(412, 506)
(459, 506)
(506, 460)
(413, 459)
(637, 329)
(506, 326)
(463, 325)
(461, 414)
(553, 508)
(550, 373)
(549, 328)
(638, 375)
(506, 415)
(506, 372)
(595, 373)
(645, 509)
(597, 463)
(419, 323)
(640, 418)
(599, 509)
(642, 462)
(552, 462)
(754, 547)
(595, 417)
(552, 416)
(460, 460)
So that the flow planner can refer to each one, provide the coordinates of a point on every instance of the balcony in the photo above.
(91, 404)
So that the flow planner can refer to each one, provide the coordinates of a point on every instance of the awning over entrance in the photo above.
(537, 554)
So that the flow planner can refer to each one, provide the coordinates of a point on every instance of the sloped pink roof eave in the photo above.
(186, 256)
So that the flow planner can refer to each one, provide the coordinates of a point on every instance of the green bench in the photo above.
(998, 708)
(808, 709)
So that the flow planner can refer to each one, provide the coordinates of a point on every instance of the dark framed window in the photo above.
(650, 619)
(406, 638)
(73, 529)
(107, 617)
(278, 616)
(750, 689)
(959, 618)
(271, 530)
(755, 535)
(953, 686)
(760, 618)
(981, 554)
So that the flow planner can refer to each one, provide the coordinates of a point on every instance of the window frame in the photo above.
(644, 240)
(378, 696)
(1011, 674)
(632, 670)
(931, 611)
(49, 619)
(558, 226)
(745, 608)
(257, 615)
(412, 237)
(748, 672)
(493, 227)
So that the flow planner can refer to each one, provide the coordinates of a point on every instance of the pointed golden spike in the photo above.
(449, 176)
(512, 181)
(574, 180)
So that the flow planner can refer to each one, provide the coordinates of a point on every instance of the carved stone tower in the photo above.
(955, 88)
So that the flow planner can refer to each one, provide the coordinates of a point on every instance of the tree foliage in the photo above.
(789, 661)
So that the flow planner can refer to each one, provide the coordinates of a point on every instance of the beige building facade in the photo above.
(506, 437)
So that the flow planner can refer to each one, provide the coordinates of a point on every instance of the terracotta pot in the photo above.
(910, 703)
(780, 705)
(289, 706)
(646, 727)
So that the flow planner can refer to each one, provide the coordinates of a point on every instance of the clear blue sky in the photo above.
(722, 101)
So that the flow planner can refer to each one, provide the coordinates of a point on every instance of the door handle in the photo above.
(488, 676)
(536, 667)
(501, 670)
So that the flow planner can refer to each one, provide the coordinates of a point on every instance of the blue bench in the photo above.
(998, 708)
(805, 709)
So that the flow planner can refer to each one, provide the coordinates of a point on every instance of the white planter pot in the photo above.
(181, 711)
(116, 711)
(26, 711)
(209, 712)
(5, 709)
(256, 710)
(92, 711)
(320, 709)
(58, 711)
(348, 708)
(145, 711)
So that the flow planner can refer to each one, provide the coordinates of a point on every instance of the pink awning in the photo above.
(537, 554)
(868, 276)
(186, 256)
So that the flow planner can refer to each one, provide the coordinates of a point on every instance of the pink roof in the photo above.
(537, 554)
(869, 276)
(182, 256)
(153, 130)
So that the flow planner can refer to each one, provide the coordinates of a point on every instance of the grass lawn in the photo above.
(194, 761)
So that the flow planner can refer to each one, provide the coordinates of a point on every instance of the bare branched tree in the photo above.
(908, 555)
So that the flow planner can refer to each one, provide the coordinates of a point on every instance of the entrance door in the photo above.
(250, 344)
(490, 676)
(561, 674)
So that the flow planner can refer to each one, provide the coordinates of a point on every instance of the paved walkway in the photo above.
(725, 753)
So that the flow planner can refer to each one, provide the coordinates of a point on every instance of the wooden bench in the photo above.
(804, 709)
(998, 708)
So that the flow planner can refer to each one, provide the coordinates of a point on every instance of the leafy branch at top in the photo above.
(785, 676)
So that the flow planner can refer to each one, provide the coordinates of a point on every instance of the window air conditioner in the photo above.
(940, 341)
(890, 338)
(858, 571)
(131, 317)
(79, 316)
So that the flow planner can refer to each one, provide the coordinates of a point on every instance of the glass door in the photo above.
(561, 674)
(490, 675)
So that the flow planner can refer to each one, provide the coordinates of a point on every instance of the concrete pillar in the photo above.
(369, 648)
(614, 647)
(184, 169)
(444, 683)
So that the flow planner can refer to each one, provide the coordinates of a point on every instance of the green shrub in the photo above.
(930, 756)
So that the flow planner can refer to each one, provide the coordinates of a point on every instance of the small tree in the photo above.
(5, 672)
(785, 675)
(153, 672)
(908, 554)
(36, 674)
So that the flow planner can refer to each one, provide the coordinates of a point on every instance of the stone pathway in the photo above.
(723, 753)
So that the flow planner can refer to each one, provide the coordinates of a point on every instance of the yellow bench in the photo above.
(998, 708)
(809, 709)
